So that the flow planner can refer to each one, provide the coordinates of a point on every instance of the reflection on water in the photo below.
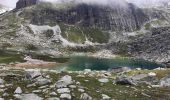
(82, 62)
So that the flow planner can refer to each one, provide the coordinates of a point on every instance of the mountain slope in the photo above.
(80, 27)
(4, 9)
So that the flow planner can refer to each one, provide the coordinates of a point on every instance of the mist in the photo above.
(140, 3)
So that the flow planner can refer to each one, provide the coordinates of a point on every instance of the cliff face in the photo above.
(25, 3)
(86, 27)
(118, 18)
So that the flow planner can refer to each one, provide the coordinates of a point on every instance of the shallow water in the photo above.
(79, 63)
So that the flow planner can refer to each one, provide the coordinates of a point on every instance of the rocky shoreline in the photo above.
(29, 84)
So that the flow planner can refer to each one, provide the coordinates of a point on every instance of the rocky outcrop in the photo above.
(25, 3)
(154, 46)
(118, 18)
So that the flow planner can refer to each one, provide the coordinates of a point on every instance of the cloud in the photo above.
(12, 3)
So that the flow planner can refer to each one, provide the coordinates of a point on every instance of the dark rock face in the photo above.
(154, 46)
(119, 18)
(25, 3)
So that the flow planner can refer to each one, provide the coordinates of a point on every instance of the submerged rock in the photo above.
(120, 69)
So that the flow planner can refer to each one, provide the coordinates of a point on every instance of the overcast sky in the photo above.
(12, 3)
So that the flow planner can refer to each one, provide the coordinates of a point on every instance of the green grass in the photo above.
(79, 34)
(10, 57)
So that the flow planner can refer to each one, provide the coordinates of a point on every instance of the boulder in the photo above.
(125, 81)
(1, 81)
(18, 90)
(63, 90)
(42, 81)
(105, 97)
(64, 82)
(54, 98)
(85, 96)
(165, 82)
(103, 80)
(65, 96)
(152, 74)
(31, 96)
(33, 74)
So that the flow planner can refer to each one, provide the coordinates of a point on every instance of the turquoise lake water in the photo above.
(78, 63)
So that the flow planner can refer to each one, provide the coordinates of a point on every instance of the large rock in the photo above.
(63, 90)
(64, 82)
(29, 97)
(65, 96)
(165, 82)
(103, 80)
(105, 97)
(33, 74)
(125, 81)
(25, 3)
(1, 81)
(85, 96)
(42, 81)
(18, 90)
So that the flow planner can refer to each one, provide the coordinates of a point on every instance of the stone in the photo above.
(87, 70)
(64, 82)
(54, 98)
(18, 90)
(5, 95)
(43, 81)
(1, 81)
(63, 90)
(152, 74)
(53, 94)
(81, 90)
(72, 86)
(139, 76)
(37, 91)
(33, 74)
(1, 98)
(85, 96)
(103, 80)
(2, 86)
(65, 96)
(125, 81)
(31, 96)
(165, 82)
(105, 97)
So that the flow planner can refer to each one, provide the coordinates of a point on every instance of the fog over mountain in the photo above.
(12, 3)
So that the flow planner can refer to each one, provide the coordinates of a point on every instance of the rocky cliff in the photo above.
(81, 27)
(25, 3)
